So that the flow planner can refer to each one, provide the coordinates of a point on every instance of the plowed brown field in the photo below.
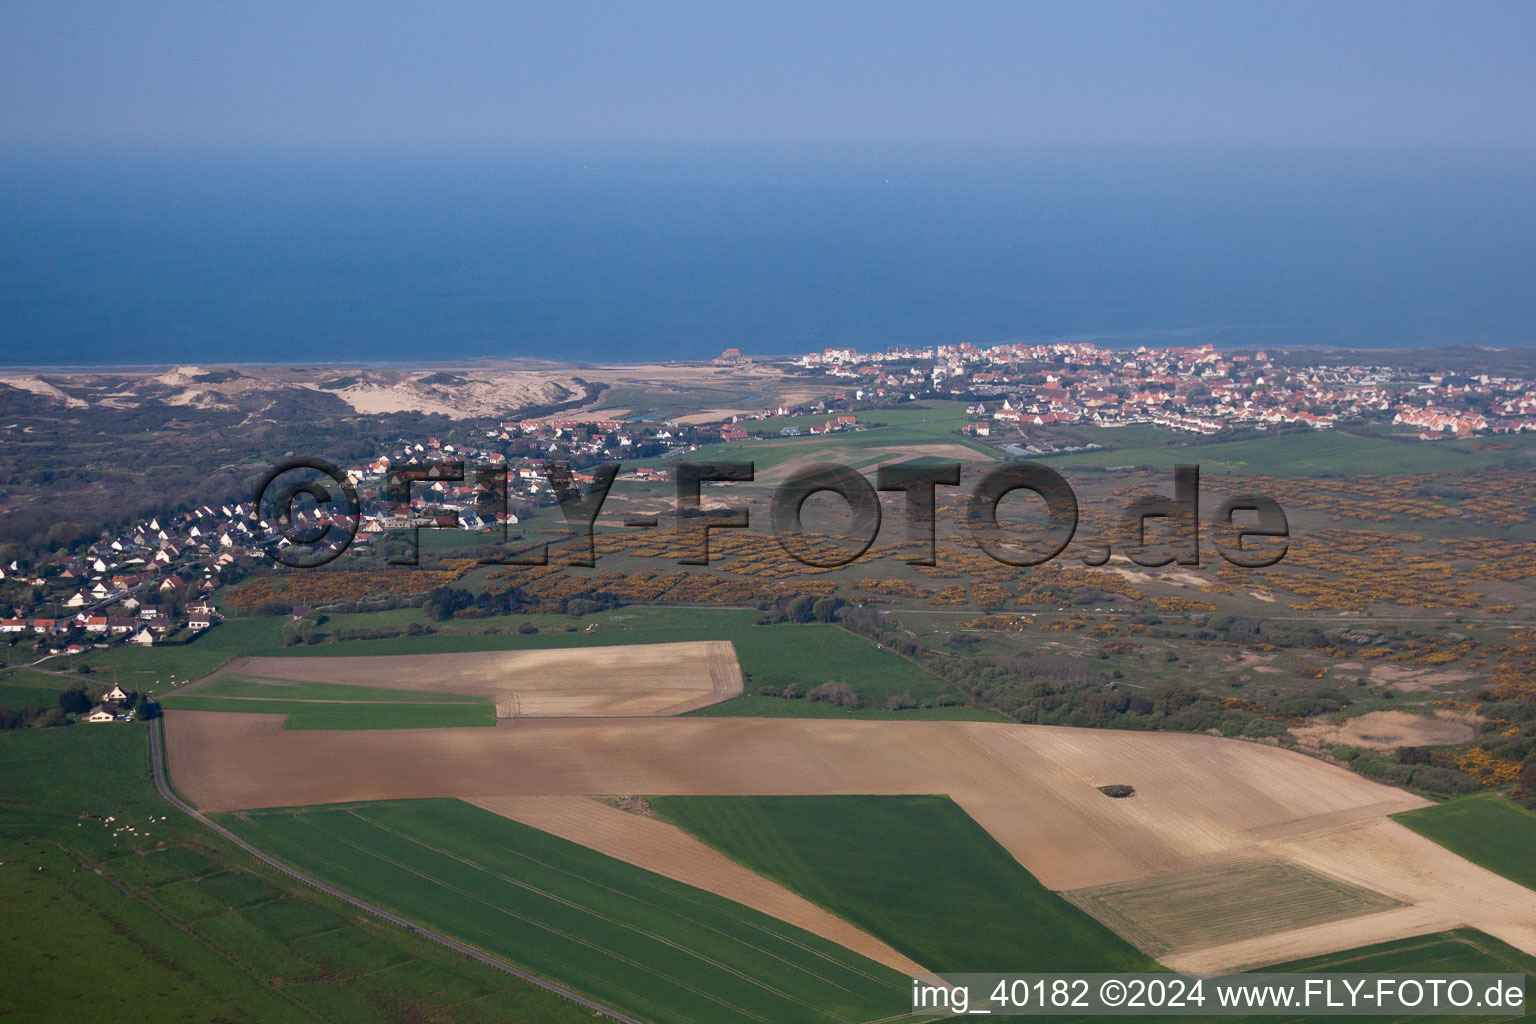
(620, 681)
(1200, 800)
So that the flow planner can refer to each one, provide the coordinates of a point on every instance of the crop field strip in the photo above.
(646, 841)
(238, 685)
(646, 944)
(915, 871)
(531, 681)
(1210, 906)
(349, 715)
(672, 896)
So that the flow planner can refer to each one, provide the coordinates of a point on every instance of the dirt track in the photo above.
(585, 682)
(1199, 800)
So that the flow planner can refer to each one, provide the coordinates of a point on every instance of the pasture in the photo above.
(884, 435)
(111, 913)
(647, 945)
(20, 688)
(1317, 453)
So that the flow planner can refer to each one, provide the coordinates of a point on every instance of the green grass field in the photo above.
(1318, 453)
(20, 688)
(249, 686)
(932, 423)
(915, 871)
(1464, 950)
(154, 668)
(804, 654)
(168, 922)
(647, 945)
(1485, 828)
(387, 715)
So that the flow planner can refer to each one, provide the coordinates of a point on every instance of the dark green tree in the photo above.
(74, 702)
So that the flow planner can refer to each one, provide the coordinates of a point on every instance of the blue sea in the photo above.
(594, 256)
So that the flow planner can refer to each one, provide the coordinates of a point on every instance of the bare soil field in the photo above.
(667, 850)
(1200, 800)
(1438, 890)
(622, 681)
(1386, 730)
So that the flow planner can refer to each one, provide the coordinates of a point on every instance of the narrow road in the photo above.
(157, 765)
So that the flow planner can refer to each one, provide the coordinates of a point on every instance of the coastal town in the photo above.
(1200, 390)
(149, 584)
(156, 580)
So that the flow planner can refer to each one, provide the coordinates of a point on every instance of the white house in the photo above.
(100, 714)
(144, 638)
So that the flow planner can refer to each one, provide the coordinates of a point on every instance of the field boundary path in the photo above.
(157, 765)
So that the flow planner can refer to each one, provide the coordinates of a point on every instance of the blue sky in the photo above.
(419, 77)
